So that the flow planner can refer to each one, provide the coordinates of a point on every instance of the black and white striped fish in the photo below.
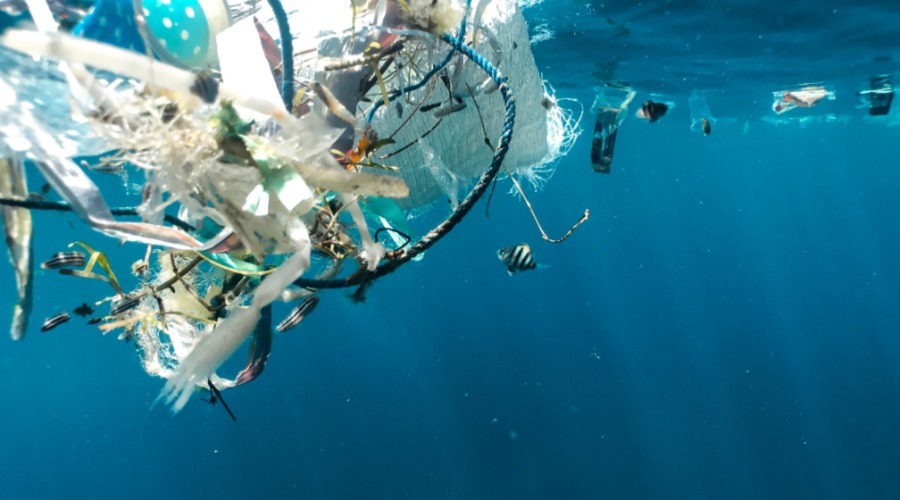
(54, 321)
(652, 111)
(517, 258)
(124, 304)
(296, 316)
(64, 259)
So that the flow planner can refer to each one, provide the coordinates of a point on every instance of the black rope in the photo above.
(61, 206)
(395, 231)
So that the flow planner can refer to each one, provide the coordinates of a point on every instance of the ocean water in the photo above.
(726, 324)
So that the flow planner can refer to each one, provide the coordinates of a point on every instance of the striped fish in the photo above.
(517, 258)
(84, 310)
(652, 111)
(123, 305)
(296, 316)
(64, 259)
(54, 321)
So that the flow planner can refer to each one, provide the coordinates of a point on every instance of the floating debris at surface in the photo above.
(805, 97)
(247, 194)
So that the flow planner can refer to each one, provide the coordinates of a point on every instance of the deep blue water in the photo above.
(726, 325)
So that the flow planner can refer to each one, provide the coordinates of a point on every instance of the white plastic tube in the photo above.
(130, 64)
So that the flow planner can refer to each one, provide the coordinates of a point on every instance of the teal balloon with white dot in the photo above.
(179, 31)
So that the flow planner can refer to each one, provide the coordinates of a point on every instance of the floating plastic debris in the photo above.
(610, 106)
(18, 228)
(517, 258)
(652, 111)
(702, 118)
(54, 321)
(879, 96)
(64, 259)
(805, 97)
(263, 178)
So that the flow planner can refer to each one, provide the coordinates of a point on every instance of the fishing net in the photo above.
(454, 153)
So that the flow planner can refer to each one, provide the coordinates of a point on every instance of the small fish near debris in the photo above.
(64, 259)
(705, 126)
(880, 95)
(54, 321)
(84, 310)
(296, 316)
(125, 304)
(652, 111)
(517, 258)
